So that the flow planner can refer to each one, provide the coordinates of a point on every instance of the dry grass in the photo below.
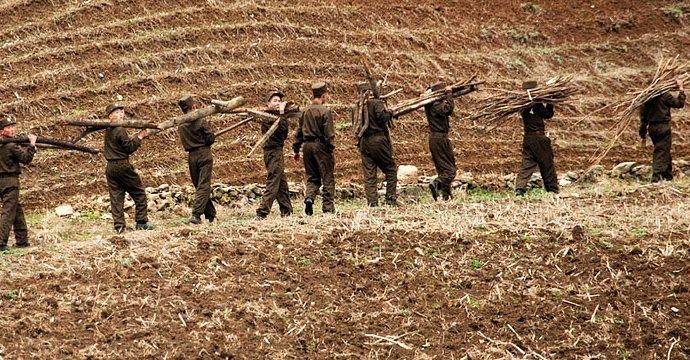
(485, 276)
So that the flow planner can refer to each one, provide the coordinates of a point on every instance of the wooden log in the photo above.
(223, 107)
(49, 141)
(411, 105)
(84, 133)
(105, 123)
(234, 126)
(265, 137)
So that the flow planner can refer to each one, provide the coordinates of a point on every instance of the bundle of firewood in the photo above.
(664, 80)
(497, 109)
(459, 89)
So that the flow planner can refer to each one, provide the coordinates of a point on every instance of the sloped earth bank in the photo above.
(71, 58)
(598, 272)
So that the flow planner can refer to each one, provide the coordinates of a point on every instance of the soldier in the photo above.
(197, 138)
(536, 146)
(377, 151)
(437, 114)
(120, 174)
(317, 132)
(655, 118)
(276, 182)
(11, 155)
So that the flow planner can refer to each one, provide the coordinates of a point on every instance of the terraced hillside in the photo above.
(71, 58)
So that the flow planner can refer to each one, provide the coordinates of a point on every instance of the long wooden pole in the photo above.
(226, 107)
(50, 141)
(234, 126)
(105, 123)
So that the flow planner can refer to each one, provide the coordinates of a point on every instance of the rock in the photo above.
(64, 210)
(642, 171)
(564, 181)
(407, 174)
(622, 168)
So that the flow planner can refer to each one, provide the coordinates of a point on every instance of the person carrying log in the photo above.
(196, 137)
(536, 146)
(655, 120)
(376, 148)
(11, 156)
(316, 134)
(120, 174)
(438, 114)
(276, 181)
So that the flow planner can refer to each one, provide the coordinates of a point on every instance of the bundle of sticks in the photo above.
(497, 109)
(459, 89)
(664, 80)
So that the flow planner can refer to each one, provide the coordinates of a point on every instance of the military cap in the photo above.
(112, 107)
(529, 84)
(319, 89)
(273, 93)
(437, 86)
(6, 121)
(186, 103)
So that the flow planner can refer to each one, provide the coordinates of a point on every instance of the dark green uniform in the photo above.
(377, 152)
(655, 119)
(536, 149)
(11, 155)
(276, 181)
(437, 114)
(121, 176)
(315, 137)
(197, 138)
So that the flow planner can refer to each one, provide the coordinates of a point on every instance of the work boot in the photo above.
(4, 248)
(309, 206)
(119, 229)
(194, 219)
(211, 219)
(519, 192)
(434, 190)
(391, 201)
(24, 244)
(144, 226)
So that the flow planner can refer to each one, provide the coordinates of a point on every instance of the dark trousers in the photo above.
(537, 153)
(122, 179)
(377, 153)
(276, 184)
(661, 160)
(200, 163)
(444, 160)
(12, 212)
(319, 165)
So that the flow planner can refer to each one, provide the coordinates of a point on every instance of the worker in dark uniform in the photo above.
(316, 135)
(11, 156)
(120, 174)
(377, 151)
(197, 138)
(276, 181)
(536, 146)
(655, 119)
(438, 114)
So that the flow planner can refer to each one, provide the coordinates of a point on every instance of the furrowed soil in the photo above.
(585, 275)
(600, 272)
(71, 58)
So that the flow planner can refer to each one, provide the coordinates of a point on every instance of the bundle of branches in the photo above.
(61, 144)
(459, 89)
(497, 109)
(664, 80)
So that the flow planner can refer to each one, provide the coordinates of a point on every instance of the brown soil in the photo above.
(65, 58)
